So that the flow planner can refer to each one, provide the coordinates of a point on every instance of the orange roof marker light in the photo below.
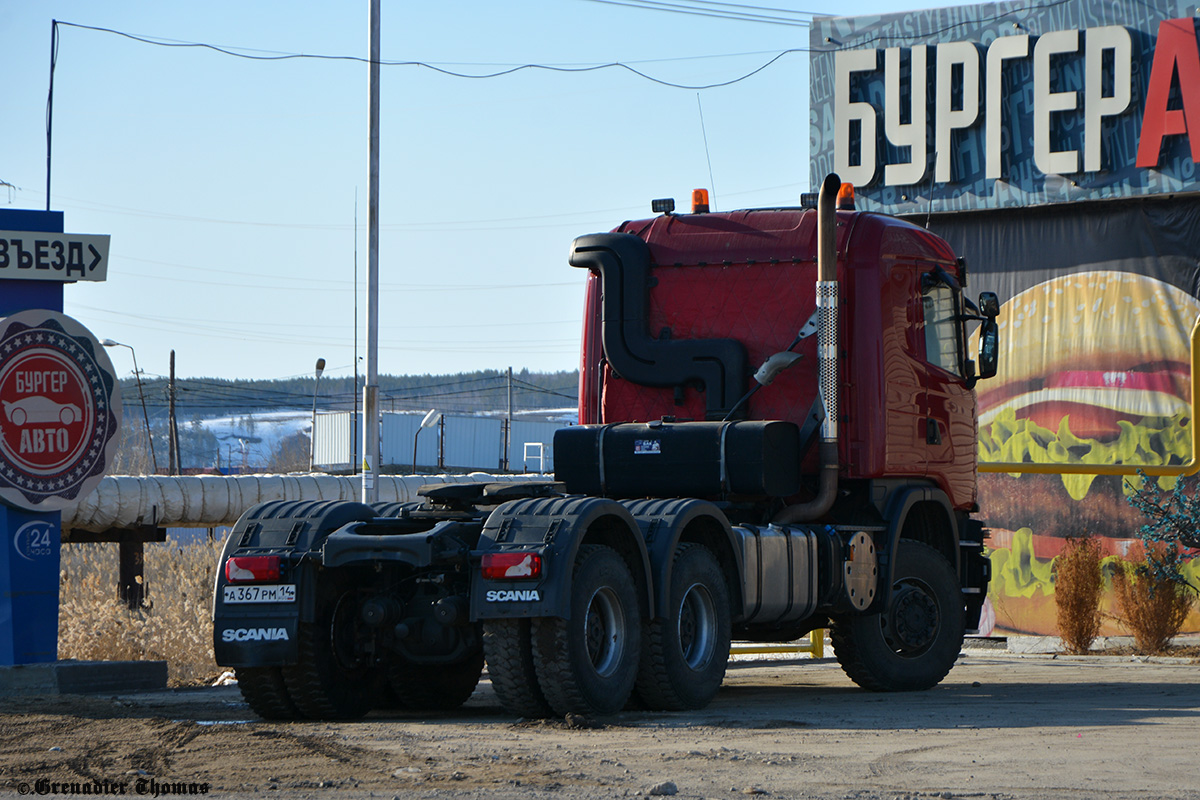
(700, 201)
(845, 198)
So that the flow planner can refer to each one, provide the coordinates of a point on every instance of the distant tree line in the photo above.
(464, 392)
(198, 399)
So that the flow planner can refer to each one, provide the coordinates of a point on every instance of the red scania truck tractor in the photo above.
(778, 434)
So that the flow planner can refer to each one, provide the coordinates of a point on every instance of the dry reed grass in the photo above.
(1153, 606)
(174, 625)
(1078, 587)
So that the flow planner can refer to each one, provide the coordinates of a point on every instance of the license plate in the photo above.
(283, 593)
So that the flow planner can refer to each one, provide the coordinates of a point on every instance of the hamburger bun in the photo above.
(1094, 348)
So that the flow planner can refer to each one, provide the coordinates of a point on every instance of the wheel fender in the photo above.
(261, 634)
(898, 509)
(662, 523)
(555, 528)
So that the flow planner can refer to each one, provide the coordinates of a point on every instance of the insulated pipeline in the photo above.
(210, 500)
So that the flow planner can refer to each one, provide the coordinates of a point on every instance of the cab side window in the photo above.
(941, 328)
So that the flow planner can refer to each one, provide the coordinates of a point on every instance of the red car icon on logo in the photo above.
(41, 409)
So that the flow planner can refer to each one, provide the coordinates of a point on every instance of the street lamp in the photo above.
(430, 420)
(312, 449)
(146, 417)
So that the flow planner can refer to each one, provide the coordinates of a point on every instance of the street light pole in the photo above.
(370, 462)
(431, 419)
(145, 417)
(312, 449)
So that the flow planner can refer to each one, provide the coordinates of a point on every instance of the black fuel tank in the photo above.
(680, 459)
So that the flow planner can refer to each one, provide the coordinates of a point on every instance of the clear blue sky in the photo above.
(228, 185)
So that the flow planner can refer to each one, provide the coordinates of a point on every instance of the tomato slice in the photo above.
(1086, 421)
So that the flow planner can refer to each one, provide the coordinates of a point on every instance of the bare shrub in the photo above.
(292, 454)
(1150, 602)
(173, 625)
(1078, 586)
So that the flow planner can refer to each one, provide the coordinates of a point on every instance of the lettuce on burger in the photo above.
(1094, 369)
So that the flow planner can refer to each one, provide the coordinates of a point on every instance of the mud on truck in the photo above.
(698, 501)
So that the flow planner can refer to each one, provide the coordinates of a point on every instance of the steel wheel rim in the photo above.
(604, 631)
(342, 633)
(697, 619)
(910, 627)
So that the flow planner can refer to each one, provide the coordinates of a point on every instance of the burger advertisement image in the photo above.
(1095, 368)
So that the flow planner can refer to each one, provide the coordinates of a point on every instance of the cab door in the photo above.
(949, 427)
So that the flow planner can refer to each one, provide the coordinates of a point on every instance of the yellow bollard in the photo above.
(814, 646)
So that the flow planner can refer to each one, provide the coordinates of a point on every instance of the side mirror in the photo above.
(989, 304)
(989, 347)
(989, 335)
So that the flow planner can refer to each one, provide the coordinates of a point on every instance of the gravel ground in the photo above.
(1000, 726)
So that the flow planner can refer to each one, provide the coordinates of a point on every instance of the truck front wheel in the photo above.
(914, 642)
(588, 663)
(685, 654)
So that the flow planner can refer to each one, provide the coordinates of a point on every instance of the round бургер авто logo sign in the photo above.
(60, 410)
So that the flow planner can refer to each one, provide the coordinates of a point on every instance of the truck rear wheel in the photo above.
(435, 687)
(588, 663)
(685, 654)
(265, 692)
(915, 642)
(330, 680)
(509, 652)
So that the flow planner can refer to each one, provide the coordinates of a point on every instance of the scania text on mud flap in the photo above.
(777, 435)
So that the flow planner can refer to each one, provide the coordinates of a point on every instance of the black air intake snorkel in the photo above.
(622, 261)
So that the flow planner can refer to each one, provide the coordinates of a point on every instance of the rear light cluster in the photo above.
(510, 566)
(251, 569)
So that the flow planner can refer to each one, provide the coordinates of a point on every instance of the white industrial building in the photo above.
(449, 442)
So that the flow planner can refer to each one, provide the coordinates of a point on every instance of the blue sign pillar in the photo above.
(29, 564)
(30, 553)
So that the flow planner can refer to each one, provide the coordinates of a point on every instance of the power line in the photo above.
(675, 8)
(434, 67)
(423, 226)
(214, 324)
(757, 8)
(926, 35)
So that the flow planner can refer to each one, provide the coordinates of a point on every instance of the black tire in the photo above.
(264, 691)
(684, 655)
(435, 687)
(329, 681)
(508, 648)
(914, 643)
(588, 664)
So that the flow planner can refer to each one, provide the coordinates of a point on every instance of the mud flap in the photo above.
(554, 528)
(255, 639)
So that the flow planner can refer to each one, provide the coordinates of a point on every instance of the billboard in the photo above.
(1055, 145)
(1007, 104)
(1099, 300)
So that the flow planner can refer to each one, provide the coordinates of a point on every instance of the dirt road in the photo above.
(999, 727)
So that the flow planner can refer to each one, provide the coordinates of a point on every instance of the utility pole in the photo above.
(442, 442)
(508, 426)
(172, 430)
(354, 440)
(370, 489)
(50, 105)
